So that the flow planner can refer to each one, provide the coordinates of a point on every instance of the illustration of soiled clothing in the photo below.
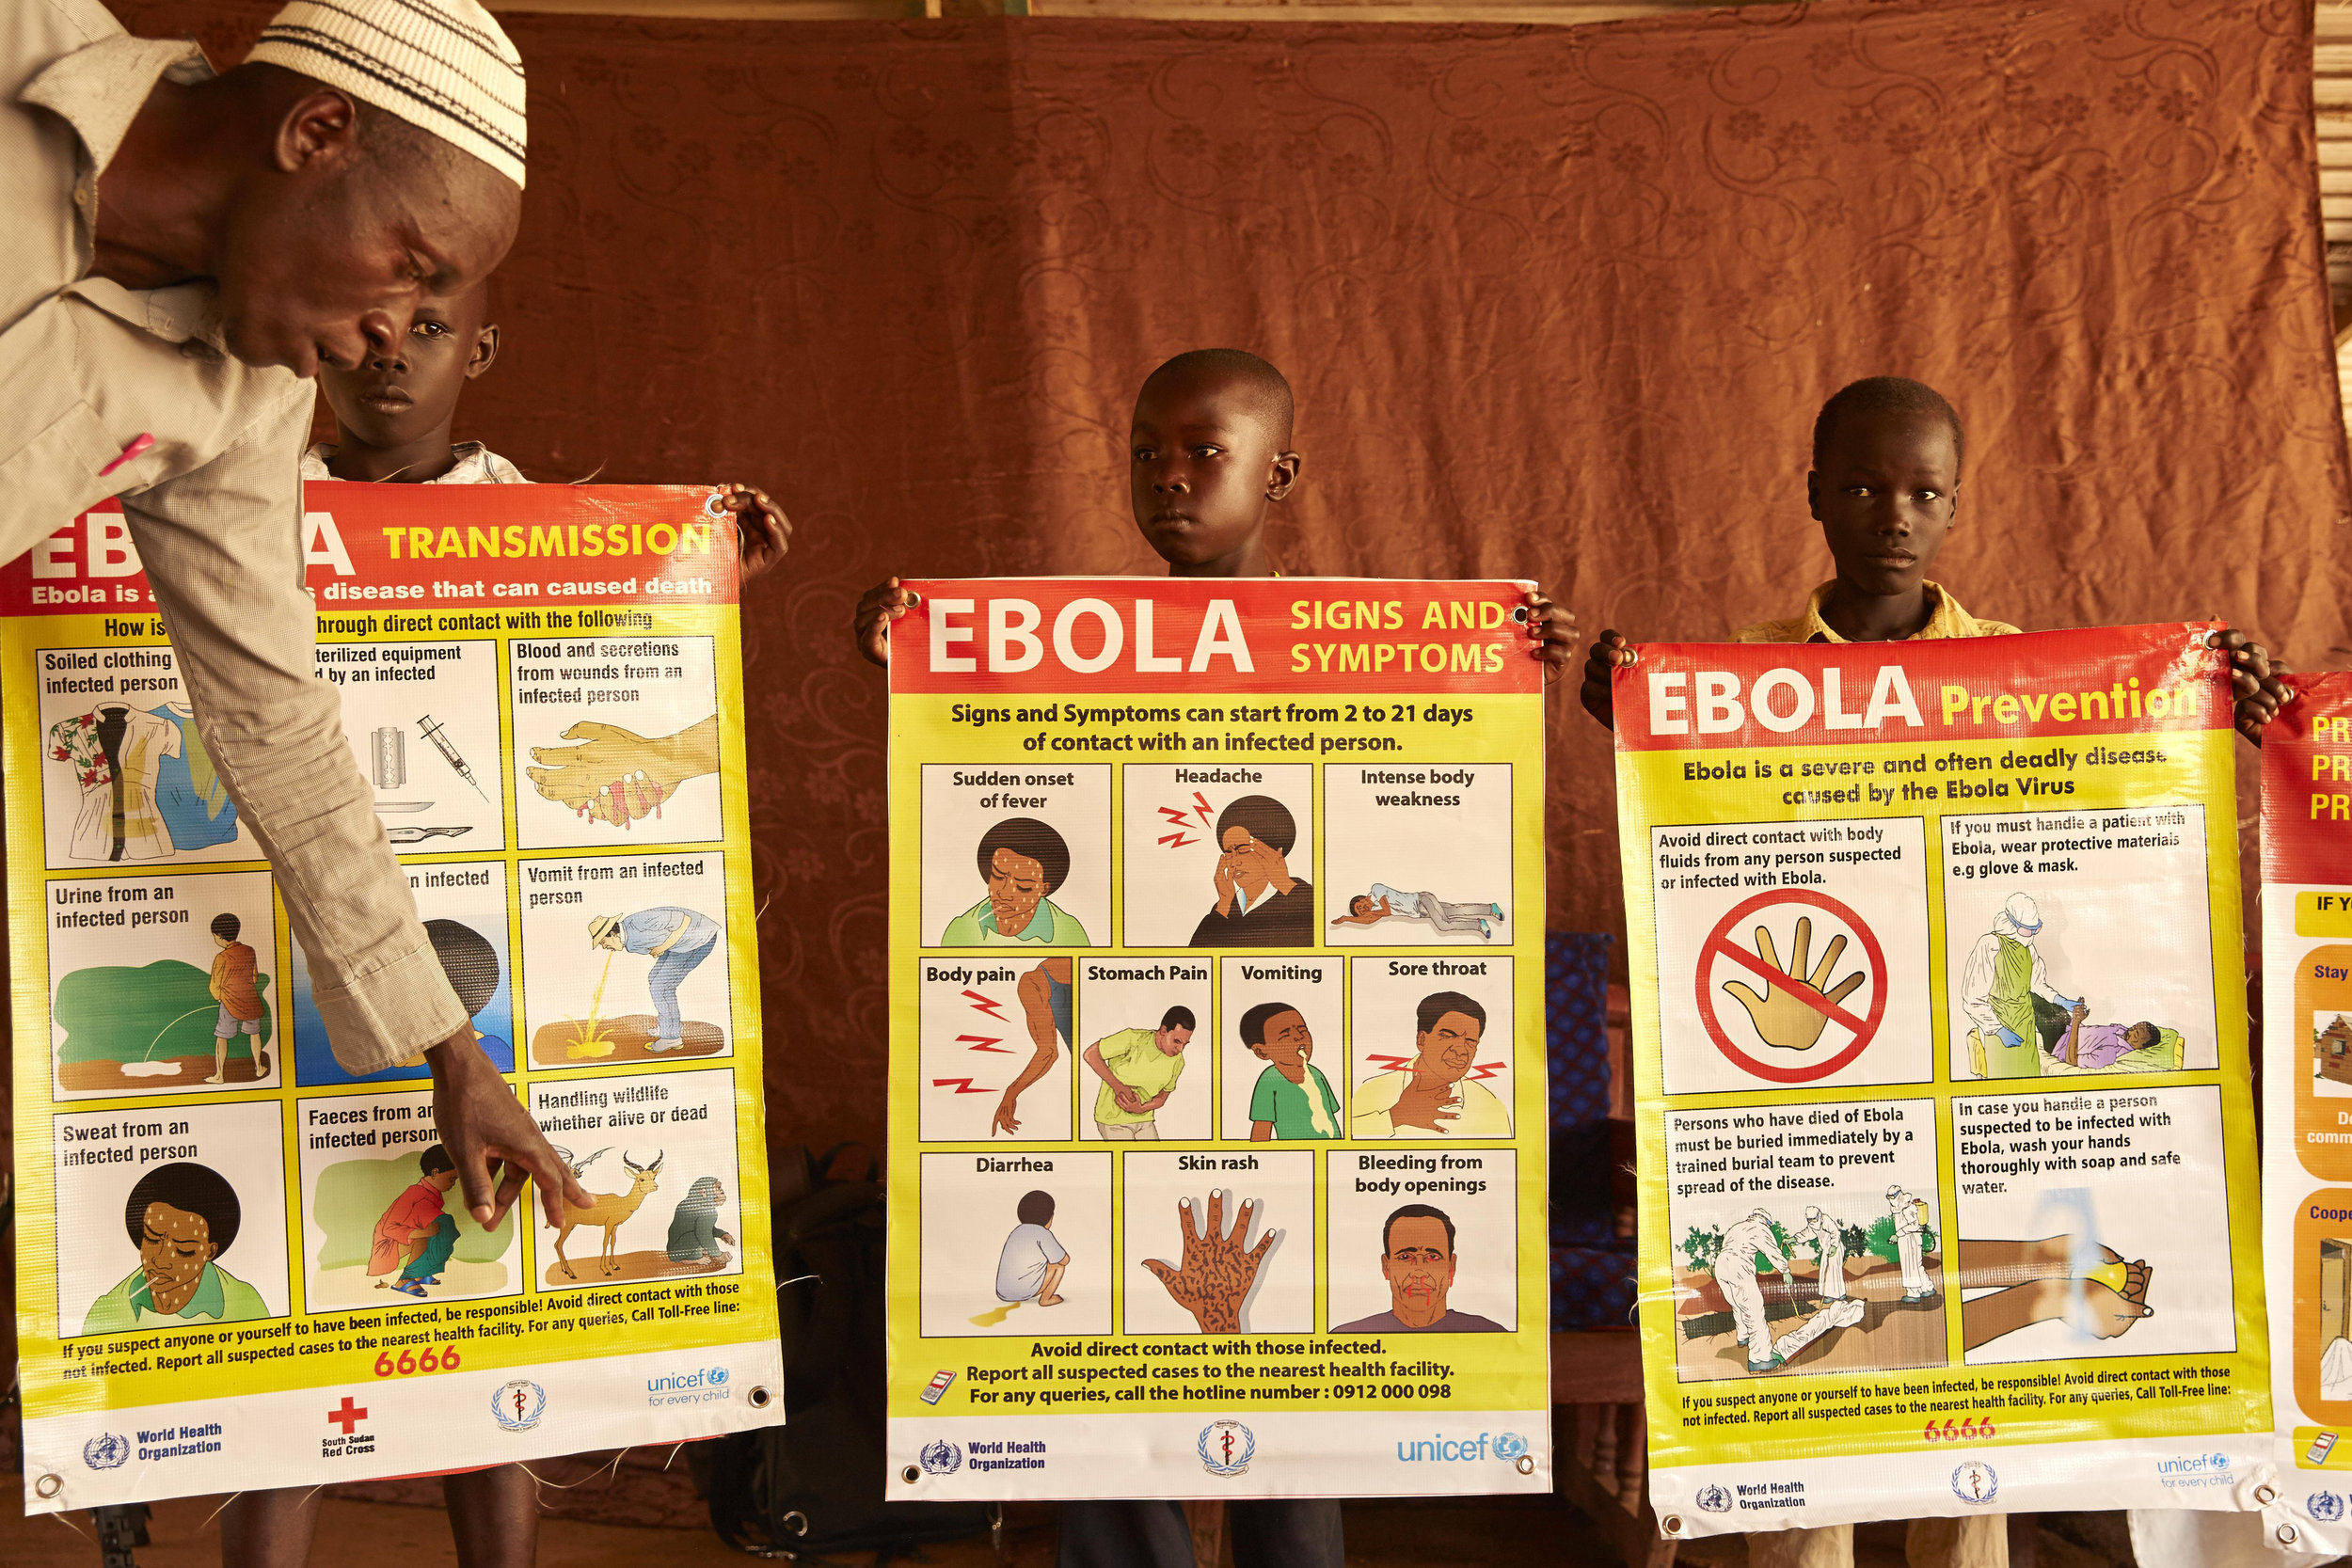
(195, 804)
(1308, 1110)
(1478, 1111)
(234, 971)
(418, 1207)
(220, 1297)
(2335, 1370)
(1425, 906)
(1030, 1251)
(116, 753)
(1829, 1245)
(1735, 1272)
(1908, 1242)
(695, 935)
(694, 1233)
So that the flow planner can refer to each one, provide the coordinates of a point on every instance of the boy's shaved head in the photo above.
(1255, 386)
(1884, 395)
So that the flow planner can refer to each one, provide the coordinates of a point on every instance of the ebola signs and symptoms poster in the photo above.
(1938, 1042)
(1217, 1132)
(239, 1257)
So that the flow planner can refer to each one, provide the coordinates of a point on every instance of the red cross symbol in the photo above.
(349, 1415)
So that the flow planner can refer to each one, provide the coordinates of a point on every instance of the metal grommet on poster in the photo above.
(1527, 1464)
(759, 1396)
(49, 1486)
(2287, 1536)
(910, 1475)
(796, 1522)
(2265, 1494)
(1671, 1524)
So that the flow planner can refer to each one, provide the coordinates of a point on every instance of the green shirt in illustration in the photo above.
(220, 1297)
(1135, 1059)
(1295, 1112)
(1049, 927)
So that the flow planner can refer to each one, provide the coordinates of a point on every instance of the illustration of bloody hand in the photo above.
(1217, 1270)
(1788, 1013)
(618, 776)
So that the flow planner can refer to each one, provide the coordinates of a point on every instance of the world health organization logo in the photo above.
(1713, 1499)
(2325, 1506)
(1226, 1448)
(941, 1457)
(1509, 1446)
(106, 1451)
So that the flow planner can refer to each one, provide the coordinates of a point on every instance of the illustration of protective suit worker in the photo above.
(1829, 1245)
(1908, 1240)
(2006, 988)
(1735, 1270)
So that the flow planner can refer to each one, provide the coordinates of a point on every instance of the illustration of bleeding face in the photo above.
(1448, 1047)
(1419, 1267)
(174, 1246)
(1287, 1042)
(1015, 884)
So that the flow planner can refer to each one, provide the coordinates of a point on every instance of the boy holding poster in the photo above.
(1884, 485)
(1208, 451)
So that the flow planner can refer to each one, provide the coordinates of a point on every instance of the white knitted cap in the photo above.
(444, 66)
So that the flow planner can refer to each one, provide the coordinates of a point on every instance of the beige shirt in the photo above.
(1948, 620)
(476, 465)
(215, 510)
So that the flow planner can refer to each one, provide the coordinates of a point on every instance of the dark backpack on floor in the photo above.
(815, 1484)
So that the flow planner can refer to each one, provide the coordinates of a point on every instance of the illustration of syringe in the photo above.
(434, 732)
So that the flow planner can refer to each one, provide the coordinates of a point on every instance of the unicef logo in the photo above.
(519, 1405)
(941, 1457)
(716, 1377)
(106, 1451)
(1973, 1481)
(1226, 1448)
(1510, 1445)
(2325, 1506)
(1713, 1499)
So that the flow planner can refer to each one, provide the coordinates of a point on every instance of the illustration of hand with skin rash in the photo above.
(1782, 1016)
(618, 776)
(1215, 1276)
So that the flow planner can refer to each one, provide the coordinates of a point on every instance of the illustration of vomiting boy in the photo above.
(415, 1235)
(1031, 1266)
(1022, 862)
(677, 940)
(694, 1233)
(1385, 903)
(182, 1217)
(240, 999)
(1293, 1098)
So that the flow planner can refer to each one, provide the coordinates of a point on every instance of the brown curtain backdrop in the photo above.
(1557, 304)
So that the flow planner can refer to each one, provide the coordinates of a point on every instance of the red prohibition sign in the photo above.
(1719, 945)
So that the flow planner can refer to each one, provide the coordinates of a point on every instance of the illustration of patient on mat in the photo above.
(1387, 903)
(2021, 1026)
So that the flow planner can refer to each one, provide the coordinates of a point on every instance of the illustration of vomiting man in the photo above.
(1735, 1272)
(1292, 1097)
(1910, 1226)
(2006, 988)
(677, 940)
(1431, 1095)
(181, 1217)
(1045, 997)
(1031, 1266)
(234, 986)
(415, 1234)
(1385, 903)
(1139, 1068)
(694, 1233)
(1022, 862)
(1418, 1262)
(1258, 903)
(1829, 1246)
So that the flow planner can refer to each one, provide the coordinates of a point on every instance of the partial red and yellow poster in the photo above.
(2306, 1088)
(1218, 1105)
(237, 1258)
(1939, 1064)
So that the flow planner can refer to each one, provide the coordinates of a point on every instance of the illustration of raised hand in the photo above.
(618, 776)
(1217, 1269)
(1788, 1013)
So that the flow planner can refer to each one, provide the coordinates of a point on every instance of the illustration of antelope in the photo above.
(609, 1210)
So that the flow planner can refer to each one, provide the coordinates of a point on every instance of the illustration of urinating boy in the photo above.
(415, 1235)
(234, 986)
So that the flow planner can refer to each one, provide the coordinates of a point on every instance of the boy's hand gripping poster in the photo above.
(1939, 1039)
(235, 1259)
(2307, 1085)
(1218, 1104)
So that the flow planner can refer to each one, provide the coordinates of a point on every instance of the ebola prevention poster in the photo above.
(1218, 1105)
(234, 1258)
(1939, 1041)
(2307, 1120)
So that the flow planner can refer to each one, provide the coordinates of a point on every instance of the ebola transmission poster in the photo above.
(1217, 1130)
(1939, 1049)
(238, 1257)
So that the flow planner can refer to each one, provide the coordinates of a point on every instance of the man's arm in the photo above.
(1037, 1007)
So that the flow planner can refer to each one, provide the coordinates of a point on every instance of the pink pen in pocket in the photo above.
(140, 446)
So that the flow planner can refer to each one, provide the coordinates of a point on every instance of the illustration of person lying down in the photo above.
(2125, 1047)
(1385, 903)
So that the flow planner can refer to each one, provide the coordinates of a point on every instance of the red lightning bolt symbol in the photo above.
(983, 1042)
(988, 1004)
(1183, 835)
(962, 1086)
(1390, 1064)
(1486, 1070)
(1200, 803)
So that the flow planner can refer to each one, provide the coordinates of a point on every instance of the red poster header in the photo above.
(433, 548)
(2307, 783)
(1176, 634)
(2064, 685)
